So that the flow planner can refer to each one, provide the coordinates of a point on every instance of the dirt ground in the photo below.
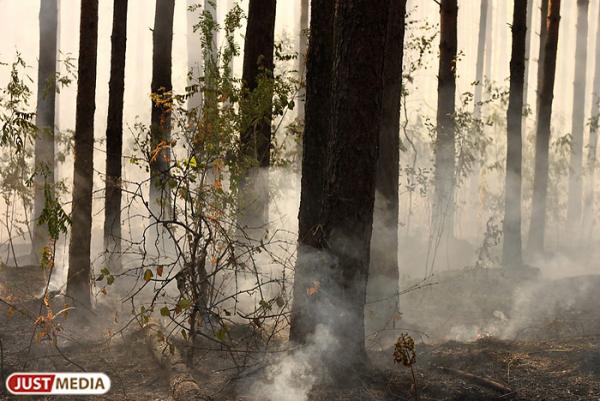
(566, 367)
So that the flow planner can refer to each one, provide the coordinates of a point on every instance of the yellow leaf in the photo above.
(148, 275)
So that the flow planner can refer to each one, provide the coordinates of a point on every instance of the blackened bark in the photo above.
(542, 50)
(382, 293)
(527, 59)
(45, 113)
(445, 176)
(483, 18)
(114, 135)
(302, 49)
(588, 205)
(512, 247)
(78, 279)
(255, 138)
(162, 40)
(314, 161)
(574, 204)
(542, 139)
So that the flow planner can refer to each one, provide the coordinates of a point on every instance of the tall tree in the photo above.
(302, 49)
(114, 135)
(574, 204)
(162, 41)
(527, 58)
(588, 206)
(382, 291)
(194, 54)
(46, 101)
(445, 177)
(256, 138)
(483, 28)
(78, 279)
(319, 77)
(348, 202)
(512, 247)
(542, 140)
(542, 51)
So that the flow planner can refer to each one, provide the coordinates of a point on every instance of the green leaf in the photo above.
(110, 279)
(164, 311)
(184, 303)
(148, 275)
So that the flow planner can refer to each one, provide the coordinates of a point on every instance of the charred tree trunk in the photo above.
(319, 76)
(542, 140)
(383, 289)
(512, 247)
(256, 136)
(78, 279)
(302, 49)
(483, 18)
(574, 204)
(45, 114)
(114, 136)
(588, 205)
(527, 59)
(445, 176)
(542, 51)
(161, 86)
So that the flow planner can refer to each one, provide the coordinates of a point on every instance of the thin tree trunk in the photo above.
(359, 36)
(78, 279)
(114, 136)
(302, 49)
(162, 39)
(542, 140)
(588, 209)
(45, 115)
(445, 176)
(383, 289)
(527, 59)
(574, 204)
(319, 77)
(211, 61)
(512, 247)
(542, 51)
(483, 18)
(194, 55)
(256, 137)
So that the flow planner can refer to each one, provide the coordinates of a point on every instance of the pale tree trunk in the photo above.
(78, 279)
(45, 116)
(574, 204)
(114, 136)
(542, 141)
(255, 139)
(542, 51)
(445, 165)
(527, 59)
(588, 205)
(302, 51)
(162, 39)
(512, 246)
(194, 54)
(483, 19)
(319, 70)
(383, 288)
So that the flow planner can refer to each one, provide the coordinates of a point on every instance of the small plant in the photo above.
(406, 354)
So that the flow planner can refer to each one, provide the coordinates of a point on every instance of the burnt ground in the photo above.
(562, 366)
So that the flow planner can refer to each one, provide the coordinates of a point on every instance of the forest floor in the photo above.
(564, 367)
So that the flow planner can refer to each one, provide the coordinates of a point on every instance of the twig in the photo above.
(482, 381)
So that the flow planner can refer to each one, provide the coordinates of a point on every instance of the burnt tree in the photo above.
(481, 50)
(512, 246)
(78, 278)
(45, 116)
(114, 135)
(537, 227)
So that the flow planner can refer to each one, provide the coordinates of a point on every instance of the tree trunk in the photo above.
(256, 136)
(512, 247)
(302, 49)
(78, 279)
(319, 77)
(445, 176)
(211, 60)
(483, 18)
(114, 136)
(383, 289)
(194, 55)
(162, 40)
(588, 208)
(527, 59)
(542, 51)
(574, 204)
(45, 114)
(542, 139)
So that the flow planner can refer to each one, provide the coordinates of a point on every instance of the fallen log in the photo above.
(479, 380)
(182, 385)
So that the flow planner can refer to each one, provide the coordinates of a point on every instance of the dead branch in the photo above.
(480, 380)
